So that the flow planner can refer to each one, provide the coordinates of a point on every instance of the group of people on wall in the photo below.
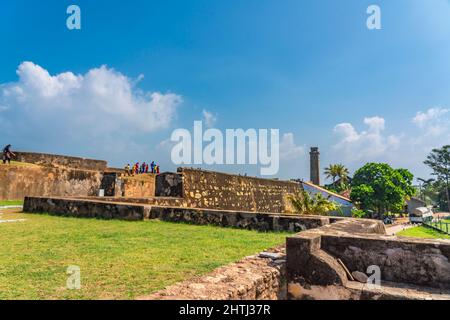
(142, 168)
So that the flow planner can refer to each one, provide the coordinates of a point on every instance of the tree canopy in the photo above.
(380, 188)
(439, 161)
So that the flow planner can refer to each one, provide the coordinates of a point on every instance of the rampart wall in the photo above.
(53, 160)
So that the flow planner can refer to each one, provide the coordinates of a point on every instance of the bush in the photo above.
(357, 213)
(304, 203)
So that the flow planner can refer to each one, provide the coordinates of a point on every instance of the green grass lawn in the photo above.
(423, 232)
(117, 259)
(11, 202)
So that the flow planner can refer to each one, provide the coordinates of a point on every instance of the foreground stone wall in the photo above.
(215, 190)
(16, 182)
(421, 262)
(53, 160)
(319, 262)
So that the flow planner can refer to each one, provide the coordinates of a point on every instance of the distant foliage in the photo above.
(338, 188)
(379, 188)
(317, 204)
(439, 161)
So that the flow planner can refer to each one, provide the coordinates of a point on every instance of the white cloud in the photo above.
(209, 118)
(102, 97)
(355, 148)
(376, 124)
(434, 121)
(288, 149)
(67, 112)
(370, 144)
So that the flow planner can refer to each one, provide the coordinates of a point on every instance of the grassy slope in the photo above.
(19, 164)
(423, 232)
(11, 202)
(118, 259)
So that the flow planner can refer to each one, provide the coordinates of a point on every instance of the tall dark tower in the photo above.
(314, 165)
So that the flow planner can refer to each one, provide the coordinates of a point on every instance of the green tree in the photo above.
(439, 161)
(380, 188)
(304, 203)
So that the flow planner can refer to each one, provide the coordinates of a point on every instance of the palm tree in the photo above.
(342, 172)
(334, 171)
(304, 203)
(331, 172)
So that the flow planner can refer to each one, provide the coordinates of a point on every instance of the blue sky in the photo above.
(309, 68)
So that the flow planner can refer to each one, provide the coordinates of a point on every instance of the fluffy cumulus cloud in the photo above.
(430, 129)
(101, 93)
(288, 149)
(85, 107)
(434, 121)
(370, 143)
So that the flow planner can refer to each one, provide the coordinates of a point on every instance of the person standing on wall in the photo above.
(128, 169)
(152, 166)
(7, 153)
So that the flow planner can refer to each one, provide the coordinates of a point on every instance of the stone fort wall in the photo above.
(216, 190)
(53, 160)
(16, 182)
